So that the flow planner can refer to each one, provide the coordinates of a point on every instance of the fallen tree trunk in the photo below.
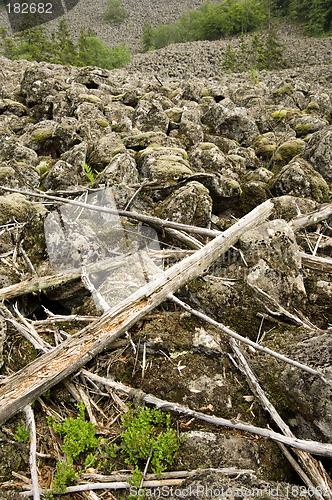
(26, 385)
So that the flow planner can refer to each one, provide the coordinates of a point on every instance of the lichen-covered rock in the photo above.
(149, 115)
(60, 176)
(187, 132)
(298, 178)
(207, 157)
(106, 148)
(273, 256)
(76, 156)
(49, 137)
(39, 82)
(313, 397)
(233, 122)
(119, 116)
(262, 174)
(253, 193)
(211, 450)
(251, 162)
(140, 140)
(287, 207)
(190, 204)
(319, 152)
(157, 162)
(121, 170)
(92, 122)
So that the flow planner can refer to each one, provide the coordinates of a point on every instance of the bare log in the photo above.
(315, 472)
(122, 485)
(323, 449)
(33, 449)
(174, 474)
(323, 264)
(312, 218)
(52, 367)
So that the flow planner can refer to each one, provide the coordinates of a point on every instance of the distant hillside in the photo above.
(90, 14)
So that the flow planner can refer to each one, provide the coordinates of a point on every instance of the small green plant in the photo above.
(22, 434)
(64, 475)
(78, 436)
(88, 172)
(148, 434)
(115, 11)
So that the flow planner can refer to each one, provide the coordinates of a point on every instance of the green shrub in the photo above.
(263, 52)
(78, 437)
(115, 11)
(210, 22)
(314, 15)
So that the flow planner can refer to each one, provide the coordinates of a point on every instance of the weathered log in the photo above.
(312, 218)
(323, 264)
(52, 367)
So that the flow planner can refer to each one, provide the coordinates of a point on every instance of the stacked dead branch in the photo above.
(72, 353)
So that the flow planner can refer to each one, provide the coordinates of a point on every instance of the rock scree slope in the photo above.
(203, 150)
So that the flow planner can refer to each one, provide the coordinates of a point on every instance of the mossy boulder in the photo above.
(15, 206)
(288, 150)
(89, 98)
(174, 114)
(308, 124)
(252, 194)
(164, 163)
(41, 134)
(107, 147)
(265, 145)
(298, 178)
